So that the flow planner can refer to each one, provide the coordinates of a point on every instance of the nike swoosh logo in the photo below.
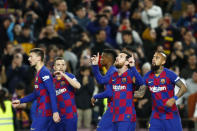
(32, 129)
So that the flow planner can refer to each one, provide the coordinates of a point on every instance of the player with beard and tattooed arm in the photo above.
(120, 88)
(161, 83)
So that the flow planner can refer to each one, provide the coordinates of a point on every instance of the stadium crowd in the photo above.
(78, 29)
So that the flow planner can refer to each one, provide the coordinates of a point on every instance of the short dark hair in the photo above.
(58, 58)
(127, 53)
(111, 52)
(39, 52)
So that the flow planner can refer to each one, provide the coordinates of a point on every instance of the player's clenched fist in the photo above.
(15, 103)
(170, 102)
(56, 117)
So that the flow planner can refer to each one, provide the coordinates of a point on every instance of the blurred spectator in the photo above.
(22, 118)
(102, 23)
(51, 55)
(191, 84)
(167, 34)
(48, 36)
(26, 36)
(7, 55)
(83, 43)
(81, 17)
(100, 42)
(126, 25)
(17, 72)
(128, 40)
(6, 113)
(3, 31)
(3, 77)
(83, 97)
(189, 18)
(189, 42)
(177, 56)
(190, 67)
(151, 14)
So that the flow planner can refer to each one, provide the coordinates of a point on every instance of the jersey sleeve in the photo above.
(173, 77)
(28, 98)
(100, 78)
(71, 76)
(106, 94)
(138, 78)
(48, 82)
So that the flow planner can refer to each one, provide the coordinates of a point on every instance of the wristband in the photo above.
(176, 97)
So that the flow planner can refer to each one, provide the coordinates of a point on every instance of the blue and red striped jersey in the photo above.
(120, 88)
(44, 92)
(162, 89)
(65, 96)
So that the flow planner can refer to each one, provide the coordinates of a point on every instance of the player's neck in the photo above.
(108, 66)
(122, 70)
(39, 66)
(159, 70)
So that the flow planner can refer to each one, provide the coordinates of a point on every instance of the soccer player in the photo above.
(161, 83)
(65, 85)
(107, 60)
(44, 92)
(120, 88)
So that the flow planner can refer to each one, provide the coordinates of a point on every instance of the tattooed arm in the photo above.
(182, 90)
(140, 92)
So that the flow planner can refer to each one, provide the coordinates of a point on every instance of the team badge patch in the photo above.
(128, 116)
(162, 81)
(62, 83)
(124, 79)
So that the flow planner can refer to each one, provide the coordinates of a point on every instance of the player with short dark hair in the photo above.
(65, 85)
(161, 83)
(44, 92)
(107, 60)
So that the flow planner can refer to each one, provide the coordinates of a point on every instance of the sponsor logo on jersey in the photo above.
(119, 87)
(60, 91)
(44, 78)
(157, 89)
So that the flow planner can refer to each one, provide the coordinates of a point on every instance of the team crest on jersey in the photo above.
(62, 83)
(124, 79)
(128, 116)
(162, 80)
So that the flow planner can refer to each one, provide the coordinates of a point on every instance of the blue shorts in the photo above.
(166, 124)
(105, 124)
(42, 124)
(124, 126)
(67, 124)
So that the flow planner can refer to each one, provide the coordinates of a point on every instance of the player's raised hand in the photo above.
(131, 61)
(170, 102)
(93, 101)
(56, 117)
(15, 103)
(95, 59)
